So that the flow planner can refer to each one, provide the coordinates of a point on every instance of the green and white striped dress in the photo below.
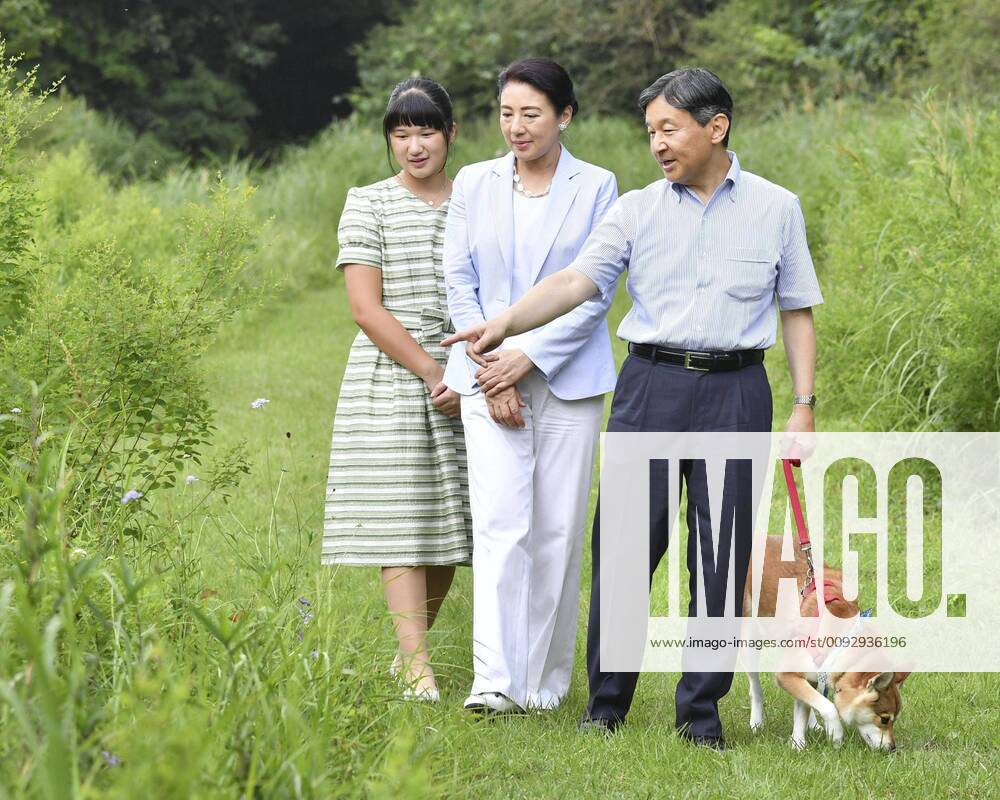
(397, 489)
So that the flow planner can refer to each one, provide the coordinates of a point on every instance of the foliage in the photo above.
(612, 50)
(147, 61)
(27, 25)
(214, 79)
(178, 645)
(870, 40)
(108, 304)
(960, 41)
(207, 79)
(914, 234)
(148, 670)
(20, 109)
(772, 55)
(115, 148)
(765, 62)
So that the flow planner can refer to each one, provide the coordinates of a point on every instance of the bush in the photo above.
(116, 346)
(960, 38)
(19, 114)
(911, 335)
(108, 305)
(116, 149)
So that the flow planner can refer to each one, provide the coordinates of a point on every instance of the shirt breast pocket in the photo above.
(750, 272)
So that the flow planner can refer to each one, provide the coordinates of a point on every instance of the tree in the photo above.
(612, 50)
(212, 76)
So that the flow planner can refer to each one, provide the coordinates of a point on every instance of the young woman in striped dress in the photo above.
(397, 494)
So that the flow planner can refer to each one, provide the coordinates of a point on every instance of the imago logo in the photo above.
(699, 532)
(905, 503)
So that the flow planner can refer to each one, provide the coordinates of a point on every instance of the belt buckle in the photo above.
(687, 363)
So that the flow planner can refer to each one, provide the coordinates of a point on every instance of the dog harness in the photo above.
(823, 674)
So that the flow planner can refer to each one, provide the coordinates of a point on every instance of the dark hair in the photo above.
(417, 101)
(545, 75)
(698, 91)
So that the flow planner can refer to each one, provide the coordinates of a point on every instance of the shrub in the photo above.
(107, 304)
(911, 338)
(959, 38)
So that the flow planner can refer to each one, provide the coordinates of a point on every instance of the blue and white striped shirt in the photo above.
(704, 277)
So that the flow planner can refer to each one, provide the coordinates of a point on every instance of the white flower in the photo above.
(190, 479)
(260, 402)
(77, 553)
(130, 495)
(15, 410)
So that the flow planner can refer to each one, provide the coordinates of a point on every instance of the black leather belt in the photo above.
(700, 360)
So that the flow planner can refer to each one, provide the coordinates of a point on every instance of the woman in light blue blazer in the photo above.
(532, 412)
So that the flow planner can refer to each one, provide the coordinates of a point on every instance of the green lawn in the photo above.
(293, 355)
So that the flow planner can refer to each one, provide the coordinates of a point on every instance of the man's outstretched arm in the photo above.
(596, 269)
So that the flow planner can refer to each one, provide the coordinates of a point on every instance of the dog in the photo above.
(868, 701)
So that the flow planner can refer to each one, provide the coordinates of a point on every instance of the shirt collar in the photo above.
(732, 178)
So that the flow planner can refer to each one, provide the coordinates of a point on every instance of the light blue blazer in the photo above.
(572, 352)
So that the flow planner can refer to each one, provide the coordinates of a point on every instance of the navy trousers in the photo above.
(651, 396)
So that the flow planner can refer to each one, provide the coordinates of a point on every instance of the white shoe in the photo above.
(492, 703)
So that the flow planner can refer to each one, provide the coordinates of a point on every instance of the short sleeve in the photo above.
(358, 234)
(797, 285)
(605, 254)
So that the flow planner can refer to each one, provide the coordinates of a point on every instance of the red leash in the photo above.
(800, 524)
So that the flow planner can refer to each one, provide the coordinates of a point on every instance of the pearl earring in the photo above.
(563, 126)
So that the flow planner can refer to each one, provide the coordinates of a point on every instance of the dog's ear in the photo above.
(900, 677)
(881, 681)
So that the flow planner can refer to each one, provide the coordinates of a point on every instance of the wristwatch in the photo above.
(804, 400)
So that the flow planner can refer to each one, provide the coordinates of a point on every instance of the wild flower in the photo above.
(260, 402)
(190, 479)
(305, 613)
(129, 496)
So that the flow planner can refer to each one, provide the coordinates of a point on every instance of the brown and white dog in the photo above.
(868, 701)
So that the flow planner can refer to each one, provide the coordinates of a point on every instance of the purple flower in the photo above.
(129, 496)
(112, 760)
(260, 402)
(305, 614)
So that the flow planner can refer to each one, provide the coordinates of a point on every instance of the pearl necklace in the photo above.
(518, 186)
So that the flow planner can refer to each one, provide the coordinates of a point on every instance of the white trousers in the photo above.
(528, 489)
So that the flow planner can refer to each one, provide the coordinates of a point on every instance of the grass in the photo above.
(199, 685)
(949, 744)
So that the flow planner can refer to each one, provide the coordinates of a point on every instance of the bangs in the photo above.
(413, 107)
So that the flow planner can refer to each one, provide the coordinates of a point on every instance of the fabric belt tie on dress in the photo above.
(432, 323)
(698, 360)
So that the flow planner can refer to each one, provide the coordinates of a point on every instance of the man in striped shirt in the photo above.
(707, 252)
